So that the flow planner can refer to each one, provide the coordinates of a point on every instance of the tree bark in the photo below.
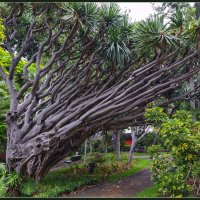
(35, 158)
(85, 151)
(197, 5)
(118, 136)
(155, 138)
(133, 143)
(135, 139)
(90, 145)
(106, 142)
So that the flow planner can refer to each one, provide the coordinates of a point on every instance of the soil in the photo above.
(126, 187)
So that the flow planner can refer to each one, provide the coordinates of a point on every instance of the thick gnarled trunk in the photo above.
(34, 158)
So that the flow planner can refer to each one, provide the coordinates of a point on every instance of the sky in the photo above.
(138, 10)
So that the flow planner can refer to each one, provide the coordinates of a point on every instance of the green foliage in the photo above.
(111, 168)
(13, 179)
(98, 158)
(152, 35)
(8, 180)
(177, 19)
(150, 139)
(2, 183)
(137, 165)
(29, 188)
(182, 138)
(149, 192)
(110, 14)
(110, 149)
(2, 35)
(54, 186)
(171, 179)
(4, 106)
(155, 114)
(154, 150)
(4, 96)
(5, 62)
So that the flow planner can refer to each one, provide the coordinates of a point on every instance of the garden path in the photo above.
(126, 187)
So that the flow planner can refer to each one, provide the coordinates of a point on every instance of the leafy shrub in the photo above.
(78, 169)
(8, 180)
(181, 134)
(29, 188)
(169, 177)
(107, 169)
(55, 186)
(98, 158)
(154, 150)
(96, 144)
(110, 149)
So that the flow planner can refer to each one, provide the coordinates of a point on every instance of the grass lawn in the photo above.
(149, 192)
(69, 179)
(137, 165)
(140, 154)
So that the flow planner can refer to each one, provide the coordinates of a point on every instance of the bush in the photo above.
(96, 145)
(98, 158)
(8, 180)
(29, 188)
(169, 177)
(110, 149)
(174, 171)
(108, 169)
(154, 150)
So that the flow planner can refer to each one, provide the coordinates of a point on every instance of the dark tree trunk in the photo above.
(197, 6)
(85, 151)
(118, 136)
(114, 138)
(34, 158)
(90, 144)
(106, 142)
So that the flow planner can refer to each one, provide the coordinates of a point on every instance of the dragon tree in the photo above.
(83, 67)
